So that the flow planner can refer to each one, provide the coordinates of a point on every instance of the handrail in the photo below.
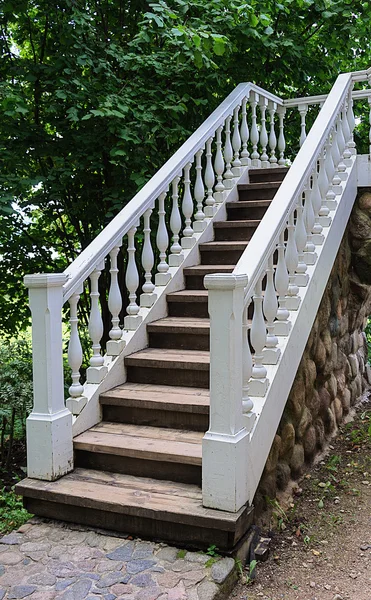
(293, 102)
(98, 249)
(255, 255)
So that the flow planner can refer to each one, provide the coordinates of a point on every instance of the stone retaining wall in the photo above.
(333, 372)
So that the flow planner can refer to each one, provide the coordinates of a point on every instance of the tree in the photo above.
(95, 96)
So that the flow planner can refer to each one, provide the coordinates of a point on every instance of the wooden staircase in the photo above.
(140, 469)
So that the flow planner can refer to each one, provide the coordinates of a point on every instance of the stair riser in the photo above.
(145, 528)
(181, 341)
(188, 309)
(139, 467)
(167, 376)
(221, 257)
(234, 234)
(268, 175)
(156, 418)
(263, 194)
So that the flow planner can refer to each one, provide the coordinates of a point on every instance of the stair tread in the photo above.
(166, 358)
(139, 441)
(184, 295)
(242, 223)
(212, 246)
(197, 269)
(260, 185)
(190, 324)
(136, 496)
(253, 203)
(158, 396)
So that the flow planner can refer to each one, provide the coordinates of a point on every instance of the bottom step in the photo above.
(149, 508)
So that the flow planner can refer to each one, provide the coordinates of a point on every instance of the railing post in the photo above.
(49, 426)
(225, 444)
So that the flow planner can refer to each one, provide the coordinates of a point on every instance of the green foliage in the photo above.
(96, 96)
(12, 513)
(368, 338)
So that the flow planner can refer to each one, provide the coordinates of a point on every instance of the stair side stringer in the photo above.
(138, 339)
(268, 411)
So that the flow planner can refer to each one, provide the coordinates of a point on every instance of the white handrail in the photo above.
(78, 271)
(263, 242)
(294, 102)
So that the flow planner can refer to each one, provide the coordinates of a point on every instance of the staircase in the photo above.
(169, 435)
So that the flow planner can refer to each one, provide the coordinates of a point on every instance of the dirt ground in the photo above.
(321, 531)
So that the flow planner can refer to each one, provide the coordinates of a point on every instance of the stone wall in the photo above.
(332, 374)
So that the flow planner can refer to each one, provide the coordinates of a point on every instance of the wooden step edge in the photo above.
(180, 405)
(188, 296)
(197, 270)
(259, 185)
(246, 223)
(189, 329)
(180, 363)
(223, 246)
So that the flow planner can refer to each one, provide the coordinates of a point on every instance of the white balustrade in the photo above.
(324, 213)
(115, 344)
(282, 325)
(292, 261)
(133, 318)
(263, 138)
(236, 143)
(281, 136)
(176, 257)
(303, 110)
(331, 201)
(97, 371)
(245, 134)
(369, 119)
(199, 224)
(219, 168)
(254, 132)
(336, 156)
(162, 241)
(228, 156)
(258, 335)
(148, 297)
(351, 123)
(346, 131)
(317, 235)
(271, 352)
(210, 207)
(247, 363)
(302, 276)
(188, 239)
(76, 402)
(272, 108)
(310, 255)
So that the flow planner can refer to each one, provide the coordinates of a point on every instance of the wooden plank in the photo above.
(164, 358)
(154, 433)
(158, 397)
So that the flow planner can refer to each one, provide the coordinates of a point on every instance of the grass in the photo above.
(12, 513)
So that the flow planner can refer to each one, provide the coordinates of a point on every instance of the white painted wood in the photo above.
(228, 156)
(163, 275)
(281, 137)
(292, 261)
(254, 132)
(245, 134)
(176, 257)
(369, 120)
(219, 167)
(199, 192)
(302, 276)
(282, 327)
(236, 144)
(364, 170)
(76, 402)
(114, 297)
(49, 426)
(133, 318)
(97, 370)
(188, 239)
(148, 297)
(263, 137)
(247, 363)
(272, 108)
(271, 352)
(310, 256)
(317, 236)
(258, 335)
(303, 109)
(209, 180)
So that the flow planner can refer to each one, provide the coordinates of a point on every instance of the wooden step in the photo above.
(188, 303)
(219, 252)
(157, 405)
(267, 175)
(141, 451)
(240, 210)
(143, 507)
(183, 333)
(235, 229)
(256, 208)
(258, 191)
(194, 276)
(161, 366)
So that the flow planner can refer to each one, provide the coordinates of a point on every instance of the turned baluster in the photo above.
(303, 110)
(96, 371)
(176, 257)
(341, 145)
(281, 137)
(310, 255)
(115, 343)
(369, 120)
(228, 155)
(76, 402)
(317, 236)
(188, 240)
(133, 319)
(219, 167)
(302, 276)
(245, 134)
(272, 108)
(162, 242)
(258, 337)
(247, 403)
(292, 261)
(346, 132)
(351, 123)
(254, 132)
(335, 154)
(271, 353)
(330, 171)
(236, 143)
(148, 298)
(263, 132)
(209, 181)
(324, 212)
(199, 192)
(282, 326)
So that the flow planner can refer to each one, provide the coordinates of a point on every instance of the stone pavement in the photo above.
(47, 560)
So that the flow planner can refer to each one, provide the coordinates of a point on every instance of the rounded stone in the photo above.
(222, 569)
(320, 432)
(283, 474)
(287, 440)
(320, 354)
(360, 224)
(11, 558)
(272, 459)
(353, 362)
(306, 420)
(332, 386)
(310, 373)
(345, 400)
(329, 421)
(364, 202)
(327, 341)
(297, 461)
(338, 410)
(324, 398)
(314, 402)
(309, 442)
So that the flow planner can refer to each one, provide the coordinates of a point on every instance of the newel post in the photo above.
(49, 426)
(225, 444)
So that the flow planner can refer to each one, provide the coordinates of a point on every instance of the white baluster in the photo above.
(317, 237)
(331, 201)
(303, 109)
(245, 134)
(210, 207)
(272, 134)
(292, 261)
(115, 344)
(199, 224)
(219, 167)
(254, 132)
(324, 214)
(76, 402)
(228, 156)
(342, 146)
(302, 276)
(188, 239)
(162, 241)
(263, 103)
(176, 257)
(336, 156)
(369, 120)
(258, 335)
(133, 319)
(236, 143)
(148, 298)
(346, 132)
(247, 404)
(281, 137)
(310, 256)
(271, 353)
(351, 123)
(96, 372)
(282, 326)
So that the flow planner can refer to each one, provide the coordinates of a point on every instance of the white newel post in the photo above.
(49, 426)
(225, 444)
